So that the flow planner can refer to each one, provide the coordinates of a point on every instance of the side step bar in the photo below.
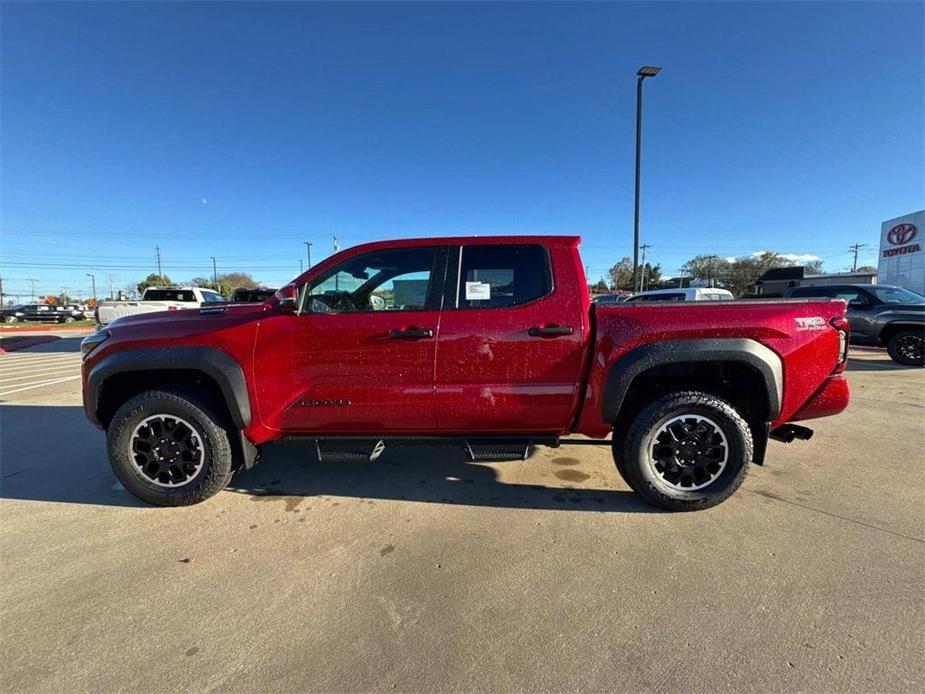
(477, 448)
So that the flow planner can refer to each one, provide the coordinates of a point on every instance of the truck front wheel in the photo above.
(686, 451)
(907, 347)
(170, 448)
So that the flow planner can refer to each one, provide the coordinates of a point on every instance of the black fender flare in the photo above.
(742, 350)
(215, 363)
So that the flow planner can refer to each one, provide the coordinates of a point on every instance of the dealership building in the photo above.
(902, 258)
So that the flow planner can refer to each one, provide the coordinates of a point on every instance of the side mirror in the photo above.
(288, 298)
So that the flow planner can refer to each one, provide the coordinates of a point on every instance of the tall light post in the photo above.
(214, 273)
(308, 251)
(644, 71)
(93, 282)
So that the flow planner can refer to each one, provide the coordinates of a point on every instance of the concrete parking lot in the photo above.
(424, 573)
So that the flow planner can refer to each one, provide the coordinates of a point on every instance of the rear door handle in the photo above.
(411, 334)
(550, 331)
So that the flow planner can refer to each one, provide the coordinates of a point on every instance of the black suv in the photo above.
(880, 315)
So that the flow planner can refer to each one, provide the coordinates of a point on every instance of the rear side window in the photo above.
(169, 295)
(503, 276)
(679, 296)
(811, 292)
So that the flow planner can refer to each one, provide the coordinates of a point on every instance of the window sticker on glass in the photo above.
(478, 291)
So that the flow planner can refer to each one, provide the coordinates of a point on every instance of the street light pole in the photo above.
(308, 251)
(214, 273)
(93, 282)
(645, 71)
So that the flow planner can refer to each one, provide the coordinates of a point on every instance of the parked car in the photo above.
(37, 313)
(71, 313)
(880, 315)
(156, 299)
(486, 343)
(689, 294)
(251, 295)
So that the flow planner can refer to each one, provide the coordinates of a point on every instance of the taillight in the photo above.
(841, 325)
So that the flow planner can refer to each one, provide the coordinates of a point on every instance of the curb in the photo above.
(15, 343)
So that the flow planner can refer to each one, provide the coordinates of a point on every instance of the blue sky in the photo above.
(239, 131)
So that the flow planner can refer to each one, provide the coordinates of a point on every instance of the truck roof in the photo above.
(470, 240)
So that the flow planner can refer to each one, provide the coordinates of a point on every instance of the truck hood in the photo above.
(186, 322)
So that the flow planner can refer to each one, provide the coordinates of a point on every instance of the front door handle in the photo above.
(550, 331)
(411, 334)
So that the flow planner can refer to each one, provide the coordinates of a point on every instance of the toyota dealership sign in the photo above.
(902, 260)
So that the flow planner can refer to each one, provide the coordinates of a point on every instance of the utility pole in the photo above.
(93, 281)
(855, 247)
(214, 273)
(301, 266)
(308, 251)
(157, 253)
(644, 247)
(336, 278)
(1, 292)
(642, 73)
(32, 282)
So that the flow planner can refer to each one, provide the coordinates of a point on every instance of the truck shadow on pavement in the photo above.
(53, 454)
(427, 474)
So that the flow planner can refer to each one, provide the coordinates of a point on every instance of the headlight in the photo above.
(91, 342)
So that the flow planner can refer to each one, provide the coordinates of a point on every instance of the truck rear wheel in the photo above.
(685, 451)
(170, 448)
(907, 347)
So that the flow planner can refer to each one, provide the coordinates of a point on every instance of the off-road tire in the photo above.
(898, 348)
(633, 461)
(211, 426)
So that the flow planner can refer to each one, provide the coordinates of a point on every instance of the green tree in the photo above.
(813, 267)
(230, 281)
(154, 280)
(706, 268)
(652, 275)
(867, 268)
(621, 275)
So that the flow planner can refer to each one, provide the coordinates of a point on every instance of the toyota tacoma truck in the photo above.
(489, 344)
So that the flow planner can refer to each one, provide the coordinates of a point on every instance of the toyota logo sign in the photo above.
(901, 234)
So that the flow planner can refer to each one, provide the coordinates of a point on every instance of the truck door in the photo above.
(360, 356)
(512, 333)
(862, 316)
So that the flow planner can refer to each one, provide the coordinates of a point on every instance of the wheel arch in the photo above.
(743, 371)
(124, 374)
(893, 327)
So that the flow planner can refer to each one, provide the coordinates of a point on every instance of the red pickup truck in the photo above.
(488, 343)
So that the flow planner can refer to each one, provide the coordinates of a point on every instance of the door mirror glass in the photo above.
(288, 298)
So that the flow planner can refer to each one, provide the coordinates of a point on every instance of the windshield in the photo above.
(896, 295)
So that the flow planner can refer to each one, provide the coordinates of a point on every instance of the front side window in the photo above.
(502, 276)
(401, 279)
(896, 295)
